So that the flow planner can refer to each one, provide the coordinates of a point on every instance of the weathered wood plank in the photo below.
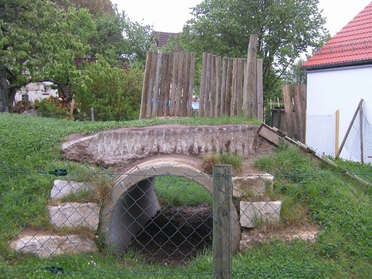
(155, 102)
(234, 87)
(203, 84)
(191, 83)
(217, 105)
(150, 88)
(145, 82)
(259, 89)
(223, 86)
(251, 66)
(222, 197)
(288, 109)
(228, 88)
(173, 93)
(168, 80)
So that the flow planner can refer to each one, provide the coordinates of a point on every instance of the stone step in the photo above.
(75, 215)
(253, 214)
(256, 185)
(52, 245)
(62, 188)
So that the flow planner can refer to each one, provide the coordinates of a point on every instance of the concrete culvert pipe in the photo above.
(133, 202)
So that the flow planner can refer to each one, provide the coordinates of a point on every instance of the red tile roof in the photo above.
(161, 38)
(352, 45)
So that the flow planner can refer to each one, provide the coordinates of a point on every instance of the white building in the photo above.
(36, 91)
(339, 77)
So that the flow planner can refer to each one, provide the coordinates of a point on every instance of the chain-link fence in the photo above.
(356, 145)
(84, 222)
(321, 134)
(359, 140)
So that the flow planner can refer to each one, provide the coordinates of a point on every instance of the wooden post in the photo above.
(156, 100)
(217, 93)
(145, 85)
(337, 134)
(234, 87)
(185, 86)
(179, 84)
(223, 87)
(239, 87)
(92, 114)
(202, 84)
(299, 94)
(191, 83)
(250, 94)
(173, 93)
(259, 89)
(212, 91)
(150, 88)
(167, 85)
(228, 98)
(222, 195)
(288, 109)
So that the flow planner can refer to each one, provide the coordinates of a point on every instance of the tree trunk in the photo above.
(4, 90)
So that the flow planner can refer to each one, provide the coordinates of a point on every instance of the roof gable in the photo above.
(352, 45)
(161, 38)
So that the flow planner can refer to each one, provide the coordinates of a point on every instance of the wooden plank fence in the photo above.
(292, 118)
(168, 84)
(228, 86)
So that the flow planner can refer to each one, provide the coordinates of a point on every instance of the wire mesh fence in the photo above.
(321, 134)
(359, 140)
(356, 143)
(87, 222)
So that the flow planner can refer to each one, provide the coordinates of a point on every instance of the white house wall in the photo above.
(36, 91)
(336, 89)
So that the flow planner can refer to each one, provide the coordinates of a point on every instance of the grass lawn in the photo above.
(337, 204)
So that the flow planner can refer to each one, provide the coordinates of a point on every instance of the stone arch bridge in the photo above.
(144, 153)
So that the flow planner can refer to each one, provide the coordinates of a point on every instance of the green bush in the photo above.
(50, 107)
(113, 93)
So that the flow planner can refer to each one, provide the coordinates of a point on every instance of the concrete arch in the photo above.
(133, 202)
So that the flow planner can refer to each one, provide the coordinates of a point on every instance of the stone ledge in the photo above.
(252, 212)
(74, 215)
(252, 185)
(52, 245)
(62, 188)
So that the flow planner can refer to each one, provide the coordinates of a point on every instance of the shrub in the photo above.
(113, 93)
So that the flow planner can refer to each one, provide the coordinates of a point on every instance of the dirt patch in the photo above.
(176, 235)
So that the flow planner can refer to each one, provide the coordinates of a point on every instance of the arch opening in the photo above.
(135, 217)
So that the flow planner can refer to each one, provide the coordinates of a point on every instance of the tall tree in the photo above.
(285, 29)
(38, 42)
(94, 6)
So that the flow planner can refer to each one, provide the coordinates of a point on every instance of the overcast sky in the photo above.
(171, 15)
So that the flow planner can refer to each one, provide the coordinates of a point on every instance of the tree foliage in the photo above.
(285, 29)
(113, 93)
(94, 6)
(40, 39)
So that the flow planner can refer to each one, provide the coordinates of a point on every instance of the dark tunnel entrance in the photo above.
(138, 218)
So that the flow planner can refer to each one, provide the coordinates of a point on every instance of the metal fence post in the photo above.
(222, 195)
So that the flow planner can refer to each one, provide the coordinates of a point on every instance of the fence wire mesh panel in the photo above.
(292, 220)
(321, 134)
(359, 140)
